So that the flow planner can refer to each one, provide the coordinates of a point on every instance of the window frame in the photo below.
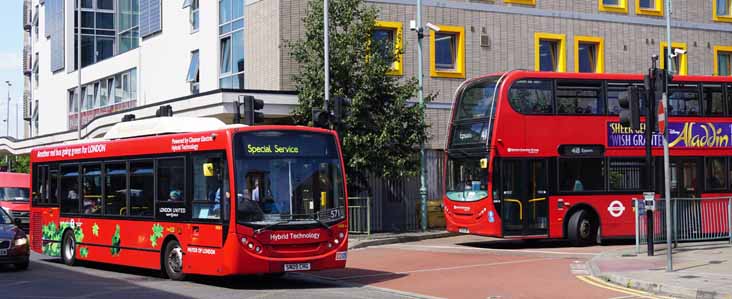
(396, 68)
(657, 11)
(621, 8)
(599, 52)
(561, 49)
(721, 18)
(717, 50)
(683, 59)
(459, 71)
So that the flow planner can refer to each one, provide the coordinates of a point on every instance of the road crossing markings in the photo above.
(609, 286)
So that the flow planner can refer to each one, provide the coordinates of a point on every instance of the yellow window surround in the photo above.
(657, 9)
(397, 68)
(525, 2)
(561, 48)
(459, 71)
(682, 58)
(717, 50)
(599, 54)
(722, 18)
(622, 6)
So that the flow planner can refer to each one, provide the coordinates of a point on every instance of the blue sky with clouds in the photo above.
(11, 63)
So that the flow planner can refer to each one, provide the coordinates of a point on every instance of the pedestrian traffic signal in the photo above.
(630, 108)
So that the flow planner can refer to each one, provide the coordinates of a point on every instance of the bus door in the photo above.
(524, 196)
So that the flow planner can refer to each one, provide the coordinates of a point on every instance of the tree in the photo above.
(382, 131)
(19, 164)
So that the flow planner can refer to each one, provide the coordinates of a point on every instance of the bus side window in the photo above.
(142, 188)
(51, 188)
(210, 186)
(70, 189)
(39, 184)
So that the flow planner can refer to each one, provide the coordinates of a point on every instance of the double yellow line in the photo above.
(609, 286)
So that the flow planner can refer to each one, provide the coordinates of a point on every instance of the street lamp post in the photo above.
(7, 114)
(422, 166)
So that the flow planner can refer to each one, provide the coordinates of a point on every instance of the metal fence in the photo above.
(693, 219)
(359, 215)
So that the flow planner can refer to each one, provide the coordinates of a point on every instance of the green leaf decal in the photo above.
(157, 234)
(115, 242)
(95, 230)
(79, 234)
(84, 252)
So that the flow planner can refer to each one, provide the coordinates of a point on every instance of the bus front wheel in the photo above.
(68, 249)
(173, 261)
(582, 228)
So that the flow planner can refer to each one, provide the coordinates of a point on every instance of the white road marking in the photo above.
(489, 249)
(442, 269)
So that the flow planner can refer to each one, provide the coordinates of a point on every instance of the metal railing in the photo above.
(693, 219)
(359, 212)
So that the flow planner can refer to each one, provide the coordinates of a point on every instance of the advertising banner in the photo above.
(680, 135)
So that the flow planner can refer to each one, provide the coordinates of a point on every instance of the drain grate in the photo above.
(689, 276)
(715, 262)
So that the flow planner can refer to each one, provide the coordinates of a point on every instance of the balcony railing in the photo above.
(27, 15)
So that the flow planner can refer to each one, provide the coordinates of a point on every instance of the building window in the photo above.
(193, 6)
(617, 6)
(589, 53)
(103, 96)
(526, 2)
(35, 23)
(722, 10)
(722, 61)
(447, 55)
(35, 71)
(231, 44)
(550, 52)
(387, 37)
(649, 7)
(128, 31)
(193, 72)
(97, 31)
(679, 61)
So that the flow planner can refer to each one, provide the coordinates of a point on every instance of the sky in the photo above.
(11, 64)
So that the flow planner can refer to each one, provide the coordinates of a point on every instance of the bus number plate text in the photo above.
(463, 230)
(297, 267)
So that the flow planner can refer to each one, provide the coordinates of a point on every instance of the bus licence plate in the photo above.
(3, 252)
(463, 230)
(297, 267)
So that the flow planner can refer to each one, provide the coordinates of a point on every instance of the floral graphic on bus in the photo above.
(157, 234)
(52, 238)
(115, 242)
(95, 230)
(79, 236)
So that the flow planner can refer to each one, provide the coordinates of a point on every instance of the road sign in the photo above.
(662, 115)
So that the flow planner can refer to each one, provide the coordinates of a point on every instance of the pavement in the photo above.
(356, 241)
(700, 270)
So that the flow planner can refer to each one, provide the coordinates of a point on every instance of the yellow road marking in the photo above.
(605, 285)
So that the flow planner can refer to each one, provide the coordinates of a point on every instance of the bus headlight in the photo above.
(244, 240)
(341, 235)
(251, 245)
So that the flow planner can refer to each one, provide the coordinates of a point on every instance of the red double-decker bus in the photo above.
(542, 155)
(194, 196)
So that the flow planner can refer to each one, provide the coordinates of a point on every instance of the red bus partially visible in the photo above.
(14, 195)
(194, 196)
(543, 155)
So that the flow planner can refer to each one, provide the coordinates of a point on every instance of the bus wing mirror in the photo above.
(208, 169)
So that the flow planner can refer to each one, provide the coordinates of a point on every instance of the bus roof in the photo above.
(165, 125)
(517, 74)
(9, 179)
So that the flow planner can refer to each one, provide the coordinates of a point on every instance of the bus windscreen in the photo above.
(287, 177)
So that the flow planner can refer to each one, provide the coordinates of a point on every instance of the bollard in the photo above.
(368, 217)
(650, 206)
(637, 226)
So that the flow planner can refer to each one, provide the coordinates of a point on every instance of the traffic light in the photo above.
(341, 109)
(630, 108)
(321, 118)
(251, 114)
(165, 110)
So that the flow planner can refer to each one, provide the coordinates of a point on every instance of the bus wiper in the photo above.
(268, 226)
(320, 222)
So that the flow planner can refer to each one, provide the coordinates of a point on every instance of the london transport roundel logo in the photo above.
(616, 208)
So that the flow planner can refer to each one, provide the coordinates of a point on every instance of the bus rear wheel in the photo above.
(173, 261)
(582, 228)
(68, 249)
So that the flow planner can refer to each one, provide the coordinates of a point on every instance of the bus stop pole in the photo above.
(666, 170)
